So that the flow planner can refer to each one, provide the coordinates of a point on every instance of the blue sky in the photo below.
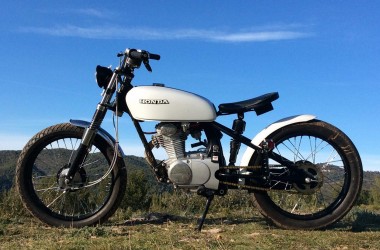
(321, 56)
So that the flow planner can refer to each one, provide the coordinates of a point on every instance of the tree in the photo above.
(137, 195)
(375, 191)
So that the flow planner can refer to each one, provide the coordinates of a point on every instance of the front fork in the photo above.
(91, 131)
(87, 140)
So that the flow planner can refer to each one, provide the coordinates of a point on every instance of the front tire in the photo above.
(331, 155)
(92, 196)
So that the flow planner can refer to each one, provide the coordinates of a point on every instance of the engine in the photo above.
(185, 170)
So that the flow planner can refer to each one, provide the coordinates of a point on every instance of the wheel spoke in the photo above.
(42, 171)
(321, 185)
(75, 201)
(295, 206)
(59, 196)
(321, 155)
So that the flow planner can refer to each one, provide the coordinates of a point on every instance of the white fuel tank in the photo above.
(156, 103)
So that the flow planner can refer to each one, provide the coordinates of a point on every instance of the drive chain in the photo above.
(243, 186)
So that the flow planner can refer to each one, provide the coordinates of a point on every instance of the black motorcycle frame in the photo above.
(123, 75)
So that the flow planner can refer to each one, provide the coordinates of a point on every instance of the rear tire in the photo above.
(43, 191)
(332, 156)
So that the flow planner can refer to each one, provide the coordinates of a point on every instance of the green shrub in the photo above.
(11, 206)
(137, 195)
(375, 192)
(184, 202)
(365, 198)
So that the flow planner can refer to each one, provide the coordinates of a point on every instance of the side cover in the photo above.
(269, 130)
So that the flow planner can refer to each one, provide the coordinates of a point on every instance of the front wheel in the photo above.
(328, 154)
(95, 192)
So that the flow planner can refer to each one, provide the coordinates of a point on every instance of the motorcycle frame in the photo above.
(216, 129)
(124, 75)
(229, 177)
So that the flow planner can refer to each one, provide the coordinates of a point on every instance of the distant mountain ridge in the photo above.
(8, 159)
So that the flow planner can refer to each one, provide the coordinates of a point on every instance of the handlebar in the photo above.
(139, 54)
(142, 55)
(133, 58)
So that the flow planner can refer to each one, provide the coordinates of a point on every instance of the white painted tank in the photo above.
(157, 103)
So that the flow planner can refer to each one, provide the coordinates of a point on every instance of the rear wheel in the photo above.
(323, 151)
(92, 196)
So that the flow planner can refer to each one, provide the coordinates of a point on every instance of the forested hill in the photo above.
(8, 159)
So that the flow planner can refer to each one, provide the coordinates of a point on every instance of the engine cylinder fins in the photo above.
(166, 129)
(172, 139)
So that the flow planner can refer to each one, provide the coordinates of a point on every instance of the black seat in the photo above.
(260, 105)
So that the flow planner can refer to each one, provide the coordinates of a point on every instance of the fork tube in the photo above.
(90, 132)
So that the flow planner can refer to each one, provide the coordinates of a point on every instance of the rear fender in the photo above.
(269, 130)
(101, 132)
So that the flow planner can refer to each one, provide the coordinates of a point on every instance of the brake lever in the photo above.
(147, 66)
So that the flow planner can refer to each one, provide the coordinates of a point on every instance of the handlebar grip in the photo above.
(154, 56)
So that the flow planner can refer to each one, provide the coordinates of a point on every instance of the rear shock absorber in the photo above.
(238, 127)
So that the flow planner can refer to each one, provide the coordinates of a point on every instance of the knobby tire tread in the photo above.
(26, 199)
(280, 220)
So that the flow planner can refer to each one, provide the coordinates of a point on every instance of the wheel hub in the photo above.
(313, 178)
(78, 181)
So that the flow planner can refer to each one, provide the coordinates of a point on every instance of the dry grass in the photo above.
(359, 230)
(229, 225)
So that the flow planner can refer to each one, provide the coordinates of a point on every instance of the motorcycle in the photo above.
(303, 173)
